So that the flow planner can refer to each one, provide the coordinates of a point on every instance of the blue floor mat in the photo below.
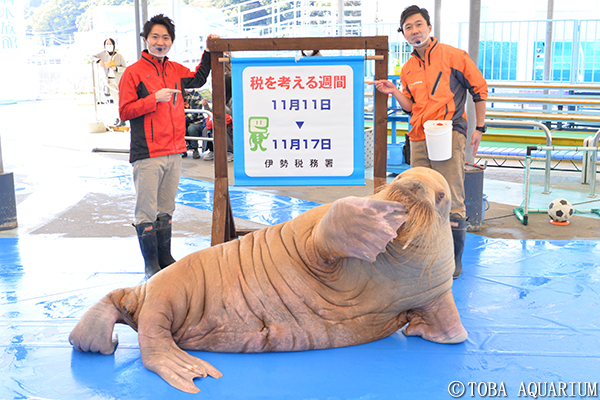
(265, 208)
(530, 308)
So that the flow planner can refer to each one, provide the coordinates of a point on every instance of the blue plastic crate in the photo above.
(395, 154)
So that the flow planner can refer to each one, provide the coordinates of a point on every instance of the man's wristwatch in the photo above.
(481, 129)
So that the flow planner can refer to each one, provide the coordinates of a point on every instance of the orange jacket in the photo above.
(438, 86)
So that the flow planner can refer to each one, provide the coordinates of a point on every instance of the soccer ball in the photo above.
(560, 210)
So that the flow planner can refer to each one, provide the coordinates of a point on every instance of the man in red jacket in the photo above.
(435, 81)
(150, 98)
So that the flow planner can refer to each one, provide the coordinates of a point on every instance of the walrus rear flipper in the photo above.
(161, 354)
(174, 365)
(94, 332)
(358, 227)
(438, 322)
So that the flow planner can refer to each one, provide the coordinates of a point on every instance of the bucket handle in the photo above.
(487, 204)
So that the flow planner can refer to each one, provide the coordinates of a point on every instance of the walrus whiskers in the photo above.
(421, 213)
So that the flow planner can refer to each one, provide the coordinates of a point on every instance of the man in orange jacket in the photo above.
(150, 98)
(435, 81)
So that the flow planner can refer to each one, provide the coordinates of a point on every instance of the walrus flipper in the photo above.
(437, 322)
(94, 332)
(160, 354)
(358, 227)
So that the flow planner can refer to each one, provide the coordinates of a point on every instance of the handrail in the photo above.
(523, 214)
(497, 122)
(191, 111)
(592, 159)
(201, 139)
(544, 116)
(543, 99)
(593, 150)
(542, 85)
(1, 164)
(596, 139)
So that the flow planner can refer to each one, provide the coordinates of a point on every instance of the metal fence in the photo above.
(281, 17)
(511, 50)
(508, 50)
(516, 50)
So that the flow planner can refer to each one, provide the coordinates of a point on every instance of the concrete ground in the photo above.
(62, 187)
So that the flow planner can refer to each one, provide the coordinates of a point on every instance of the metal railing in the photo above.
(517, 50)
(591, 155)
(199, 138)
(279, 18)
(547, 168)
(509, 50)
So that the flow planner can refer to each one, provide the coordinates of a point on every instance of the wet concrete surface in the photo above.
(63, 188)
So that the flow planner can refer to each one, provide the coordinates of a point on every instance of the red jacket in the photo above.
(157, 129)
(455, 73)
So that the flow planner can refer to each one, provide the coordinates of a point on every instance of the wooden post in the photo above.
(223, 228)
(222, 219)
(380, 124)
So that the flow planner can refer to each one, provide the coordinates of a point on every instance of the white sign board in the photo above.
(296, 122)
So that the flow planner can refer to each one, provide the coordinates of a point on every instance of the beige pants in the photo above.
(113, 86)
(453, 169)
(156, 181)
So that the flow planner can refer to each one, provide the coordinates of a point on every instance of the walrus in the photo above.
(341, 274)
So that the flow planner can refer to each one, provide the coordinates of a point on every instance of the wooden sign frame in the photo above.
(223, 226)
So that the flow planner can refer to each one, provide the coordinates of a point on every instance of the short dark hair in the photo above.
(109, 40)
(410, 11)
(159, 19)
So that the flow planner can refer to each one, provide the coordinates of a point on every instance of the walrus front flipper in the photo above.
(160, 354)
(438, 322)
(358, 227)
(94, 332)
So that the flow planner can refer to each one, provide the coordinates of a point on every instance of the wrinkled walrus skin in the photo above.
(341, 274)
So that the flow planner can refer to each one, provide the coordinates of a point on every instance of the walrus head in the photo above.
(426, 195)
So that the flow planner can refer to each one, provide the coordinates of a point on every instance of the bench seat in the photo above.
(521, 153)
(541, 116)
(566, 100)
(543, 85)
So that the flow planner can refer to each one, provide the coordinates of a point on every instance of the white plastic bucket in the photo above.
(438, 137)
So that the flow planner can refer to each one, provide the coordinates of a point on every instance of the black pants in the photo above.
(209, 145)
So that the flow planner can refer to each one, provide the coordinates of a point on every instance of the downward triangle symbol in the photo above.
(299, 123)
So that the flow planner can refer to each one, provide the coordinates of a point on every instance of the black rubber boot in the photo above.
(147, 237)
(163, 240)
(459, 234)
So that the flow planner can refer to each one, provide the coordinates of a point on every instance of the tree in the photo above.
(84, 21)
(65, 17)
(57, 16)
(258, 16)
